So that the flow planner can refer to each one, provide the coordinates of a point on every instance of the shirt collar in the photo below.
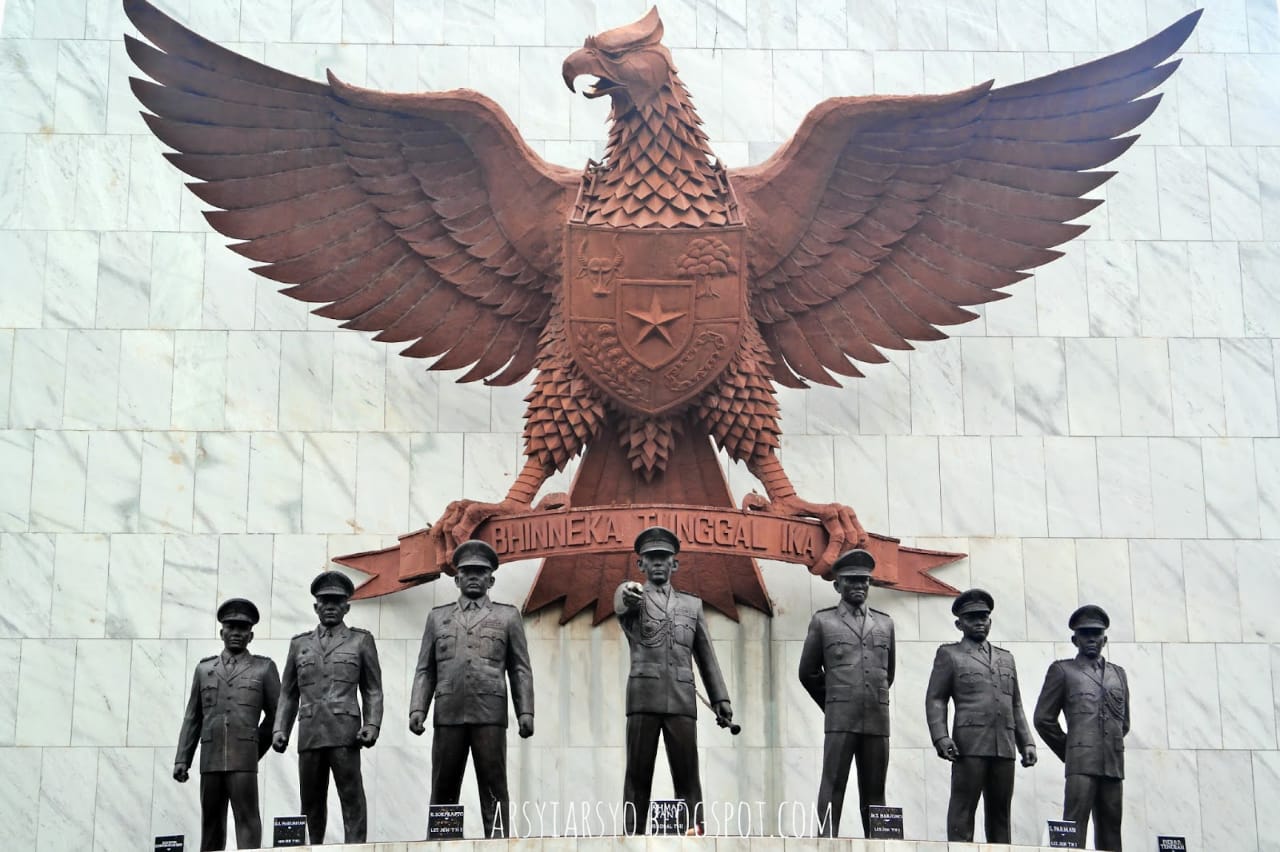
(466, 604)
(847, 607)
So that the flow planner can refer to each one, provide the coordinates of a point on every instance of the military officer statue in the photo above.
(233, 701)
(847, 665)
(468, 648)
(1094, 695)
(325, 669)
(990, 728)
(666, 632)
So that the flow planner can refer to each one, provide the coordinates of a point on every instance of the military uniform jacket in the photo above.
(989, 719)
(848, 668)
(1097, 709)
(229, 715)
(667, 633)
(465, 661)
(320, 685)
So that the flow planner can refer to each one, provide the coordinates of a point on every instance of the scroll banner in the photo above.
(613, 529)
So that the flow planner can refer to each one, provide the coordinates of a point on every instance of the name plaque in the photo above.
(171, 843)
(1065, 834)
(886, 822)
(289, 831)
(444, 822)
(668, 816)
(1170, 843)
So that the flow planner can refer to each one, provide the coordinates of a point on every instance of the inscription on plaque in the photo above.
(668, 816)
(289, 831)
(886, 822)
(1169, 843)
(444, 822)
(171, 843)
(1065, 834)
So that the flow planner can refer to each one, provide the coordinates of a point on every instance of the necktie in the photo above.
(324, 639)
(231, 666)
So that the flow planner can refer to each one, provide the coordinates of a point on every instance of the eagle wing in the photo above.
(423, 217)
(883, 216)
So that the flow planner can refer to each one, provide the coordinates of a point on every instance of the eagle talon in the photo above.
(460, 520)
(841, 523)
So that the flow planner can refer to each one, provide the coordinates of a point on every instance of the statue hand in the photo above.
(367, 736)
(416, 720)
(632, 594)
(526, 725)
(946, 748)
(280, 741)
(723, 711)
(180, 773)
(1029, 754)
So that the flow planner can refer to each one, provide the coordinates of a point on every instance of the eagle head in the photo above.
(629, 62)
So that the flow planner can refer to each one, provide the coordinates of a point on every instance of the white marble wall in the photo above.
(169, 434)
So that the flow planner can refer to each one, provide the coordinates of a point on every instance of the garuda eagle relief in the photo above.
(658, 296)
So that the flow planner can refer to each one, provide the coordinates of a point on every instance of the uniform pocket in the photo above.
(345, 667)
(493, 644)
(836, 653)
(446, 647)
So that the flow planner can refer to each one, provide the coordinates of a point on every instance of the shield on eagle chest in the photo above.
(653, 317)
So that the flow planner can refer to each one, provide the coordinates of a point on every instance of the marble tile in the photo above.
(328, 482)
(16, 450)
(722, 24)
(1226, 30)
(1235, 203)
(19, 796)
(1102, 570)
(989, 386)
(1177, 487)
(1268, 179)
(6, 373)
(58, 481)
(1071, 486)
(1196, 372)
(1258, 262)
(1203, 114)
(29, 69)
(1198, 722)
(947, 72)
(920, 27)
(90, 395)
(1216, 298)
(872, 25)
(1144, 665)
(746, 76)
(1049, 575)
(199, 379)
(275, 482)
(1021, 26)
(217, 19)
(68, 783)
(1255, 564)
(113, 482)
(1144, 386)
(1211, 565)
(489, 465)
(10, 666)
(436, 462)
(367, 20)
(1072, 26)
(81, 93)
(175, 809)
(231, 304)
(965, 475)
(1112, 271)
(1019, 486)
(1231, 491)
(80, 585)
(44, 706)
(124, 778)
(123, 114)
(306, 380)
(1229, 821)
(13, 164)
(296, 560)
(884, 397)
(253, 380)
(1177, 808)
(899, 72)
(1184, 194)
(359, 375)
(124, 272)
(822, 25)
(19, 22)
(26, 575)
(797, 83)
(1267, 458)
(1131, 195)
(771, 24)
(146, 379)
(1040, 386)
(1093, 397)
(382, 483)
(159, 682)
(136, 573)
(39, 355)
(861, 477)
(972, 25)
(168, 480)
(539, 84)
(71, 278)
(1248, 389)
(101, 709)
(1159, 600)
(995, 564)
(914, 489)
(221, 496)
(1124, 487)
(189, 597)
(1245, 693)
(154, 200)
(244, 570)
(1165, 284)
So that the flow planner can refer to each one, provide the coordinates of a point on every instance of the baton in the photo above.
(734, 729)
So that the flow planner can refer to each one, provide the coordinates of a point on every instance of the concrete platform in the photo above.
(674, 844)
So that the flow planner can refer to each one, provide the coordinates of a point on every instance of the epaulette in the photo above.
(359, 630)
(880, 612)
(208, 658)
(303, 633)
(826, 609)
(443, 605)
(263, 657)
(501, 605)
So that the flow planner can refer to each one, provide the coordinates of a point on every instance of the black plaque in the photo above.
(668, 816)
(444, 822)
(289, 831)
(886, 822)
(1065, 834)
(1170, 843)
(171, 843)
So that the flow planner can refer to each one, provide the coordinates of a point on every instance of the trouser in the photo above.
(839, 748)
(488, 747)
(314, 766)
(680, 738)
(1104, 798)
(988, 777)
(240, 790)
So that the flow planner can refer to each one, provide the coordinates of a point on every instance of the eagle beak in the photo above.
(575, 65)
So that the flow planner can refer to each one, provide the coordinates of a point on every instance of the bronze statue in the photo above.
(847, 665)
(325, 669)
(229, 715)
(667, 633)
(990, 728)
(468, 648)
(1094, 695)
(657, 294)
